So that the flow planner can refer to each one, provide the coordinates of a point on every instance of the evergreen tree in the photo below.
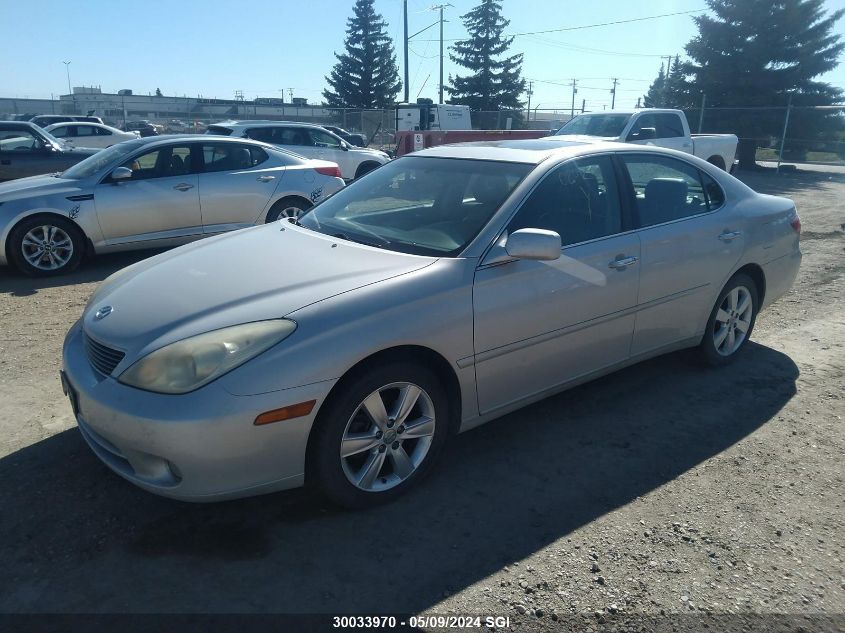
(158, 92)
(677, 90)
(670, 90)
(365, 75)
(654, 98)
(756, 53)
(494, 82)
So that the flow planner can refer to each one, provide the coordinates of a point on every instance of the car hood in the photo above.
(374, 153)
(25, 188)
(580, 137)
(254, 274)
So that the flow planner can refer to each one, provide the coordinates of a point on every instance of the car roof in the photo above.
(205, 138)
(532, 151)
(234, 124)
(21, 124)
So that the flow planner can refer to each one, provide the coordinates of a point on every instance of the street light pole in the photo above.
(67, 68)
(405, 46)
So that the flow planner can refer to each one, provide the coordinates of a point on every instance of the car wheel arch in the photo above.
(755, 271)
(366, 167)
(425, 356)
(717, 161)
(46, 214)
(287, 198)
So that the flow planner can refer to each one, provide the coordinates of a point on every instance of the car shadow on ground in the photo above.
(789, 181)
(91, 270)
(78, 538)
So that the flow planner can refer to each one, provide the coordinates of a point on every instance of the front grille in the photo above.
(104, 359)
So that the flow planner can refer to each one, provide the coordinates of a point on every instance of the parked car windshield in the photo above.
(607, 125)
(418, 205)
(101, 159)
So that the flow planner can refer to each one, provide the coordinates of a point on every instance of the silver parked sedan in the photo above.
(154, 192)
(443, 290)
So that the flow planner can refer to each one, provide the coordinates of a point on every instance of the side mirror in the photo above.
(538, 244)
(121, 173)
(645, 134)
(344, 146)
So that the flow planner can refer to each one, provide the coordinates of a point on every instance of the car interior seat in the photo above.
(665, 199)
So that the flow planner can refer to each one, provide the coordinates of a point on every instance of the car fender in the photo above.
(78, 209)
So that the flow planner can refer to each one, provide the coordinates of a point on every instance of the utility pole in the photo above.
(441, 54)
(530, 92)
(405, 43)
(701, 116)
(613, 94)
(583, 105)
(574, 85)
(638, 102)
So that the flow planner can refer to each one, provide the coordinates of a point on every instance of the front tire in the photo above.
(287, 208)
(43, 246)
(379, 435)
(731, 321)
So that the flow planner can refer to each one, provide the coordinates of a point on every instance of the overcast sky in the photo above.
(213, 47)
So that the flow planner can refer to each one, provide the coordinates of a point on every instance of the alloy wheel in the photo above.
(388, 437)
(47, 247)
(733, 320)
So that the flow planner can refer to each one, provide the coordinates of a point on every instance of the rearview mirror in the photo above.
(644, 134)
(538, 244)
(121, 173)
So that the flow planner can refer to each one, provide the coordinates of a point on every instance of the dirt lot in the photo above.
(664, 488)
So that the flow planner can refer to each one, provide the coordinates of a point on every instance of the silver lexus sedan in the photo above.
(154, 192)
(439, 292)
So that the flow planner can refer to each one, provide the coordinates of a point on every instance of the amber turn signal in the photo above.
(285, 413)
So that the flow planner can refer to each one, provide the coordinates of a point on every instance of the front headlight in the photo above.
(193, 362)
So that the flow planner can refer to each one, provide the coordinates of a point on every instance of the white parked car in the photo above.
(82, 134)
(653, 126)
(311, 141)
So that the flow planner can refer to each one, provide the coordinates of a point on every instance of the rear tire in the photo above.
(290, 207)
(359, 458)
(44, 246)
(731, 321)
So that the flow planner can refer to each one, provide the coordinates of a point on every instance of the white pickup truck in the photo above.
(652, 126)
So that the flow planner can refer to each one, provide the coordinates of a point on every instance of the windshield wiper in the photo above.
(358, 240)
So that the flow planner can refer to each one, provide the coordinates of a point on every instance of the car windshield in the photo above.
(606, 125)
(101, 159)
(418, 205)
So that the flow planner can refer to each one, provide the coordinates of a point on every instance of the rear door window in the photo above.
(231, 156)
(669, 125)
(668, 189)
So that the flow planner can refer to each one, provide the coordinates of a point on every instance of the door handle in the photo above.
(729, 236)
(183, 186)
(265, 178)
(621, 263)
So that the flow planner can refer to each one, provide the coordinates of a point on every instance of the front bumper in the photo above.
(199, 446)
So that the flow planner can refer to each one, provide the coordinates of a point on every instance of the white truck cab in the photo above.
(654, 126)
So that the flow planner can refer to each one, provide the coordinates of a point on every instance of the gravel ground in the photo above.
(663, 489)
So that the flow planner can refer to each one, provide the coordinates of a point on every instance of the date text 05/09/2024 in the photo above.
(421, 621)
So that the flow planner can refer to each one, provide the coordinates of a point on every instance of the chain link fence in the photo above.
(793, 134)
(802, 134)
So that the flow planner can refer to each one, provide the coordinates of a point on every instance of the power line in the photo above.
(592, 26)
